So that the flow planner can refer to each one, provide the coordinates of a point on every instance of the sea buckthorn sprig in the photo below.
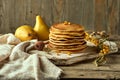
(98, 38)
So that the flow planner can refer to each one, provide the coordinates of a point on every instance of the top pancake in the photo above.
(69, 27)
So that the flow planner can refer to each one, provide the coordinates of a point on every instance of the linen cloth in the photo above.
(21, 65)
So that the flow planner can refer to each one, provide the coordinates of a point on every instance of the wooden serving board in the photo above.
(89, 53)
(65, 59)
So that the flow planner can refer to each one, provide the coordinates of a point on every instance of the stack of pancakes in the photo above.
(67, 37)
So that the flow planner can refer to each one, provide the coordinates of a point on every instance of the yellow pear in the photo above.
(41, 29)
(25, 32)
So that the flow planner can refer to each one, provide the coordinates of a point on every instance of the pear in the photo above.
(25, 32)
(41, 29)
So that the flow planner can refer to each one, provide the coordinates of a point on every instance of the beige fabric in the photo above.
(5, 51)
(9, 39)
(21, 64)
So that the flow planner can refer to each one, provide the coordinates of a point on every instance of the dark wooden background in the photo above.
(95, 15)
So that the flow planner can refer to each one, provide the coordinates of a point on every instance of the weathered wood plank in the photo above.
(88, 15)
(11, 16)
(4, 16)
(37, 7)
(73, 11)
(118, 28)
(27, 13)
(58, 7)
(34, 8)
(0, 13)
(113, 19)
(100, 15)
(46, 11)
(87, 74)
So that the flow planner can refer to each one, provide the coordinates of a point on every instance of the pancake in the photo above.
(73, 46)
(68, 38)
(67, 42)
(62, 48)
(67, 32)
(66, 27)
(65, 37)
(72, 50)
(82, 35)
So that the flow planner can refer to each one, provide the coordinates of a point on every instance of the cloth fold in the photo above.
(23, 65)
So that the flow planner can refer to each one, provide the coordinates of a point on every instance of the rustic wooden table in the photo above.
(88, 70)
